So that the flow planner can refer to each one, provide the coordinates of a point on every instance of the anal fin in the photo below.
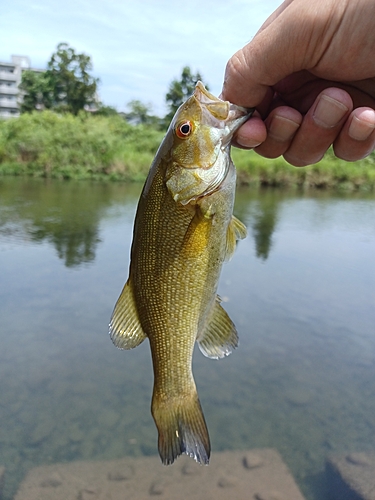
(219, 336)
(125, 328)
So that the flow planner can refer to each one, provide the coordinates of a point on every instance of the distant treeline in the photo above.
(47, 144)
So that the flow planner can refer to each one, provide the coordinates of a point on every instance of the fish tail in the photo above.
(182, 429)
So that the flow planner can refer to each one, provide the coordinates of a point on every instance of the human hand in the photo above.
(310, 73)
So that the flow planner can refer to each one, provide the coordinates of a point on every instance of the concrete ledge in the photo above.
(351, 476)
(2, 471)
(251, 475)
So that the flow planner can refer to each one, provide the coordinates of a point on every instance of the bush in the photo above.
(107, 147)
(330, 172)
(84, 146)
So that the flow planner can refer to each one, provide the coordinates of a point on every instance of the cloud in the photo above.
(137, 48)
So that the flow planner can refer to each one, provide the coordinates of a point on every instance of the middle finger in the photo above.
(320, 127)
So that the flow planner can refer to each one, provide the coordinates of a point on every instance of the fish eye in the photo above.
(184, 129)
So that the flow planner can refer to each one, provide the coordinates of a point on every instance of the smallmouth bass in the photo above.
(184, 230)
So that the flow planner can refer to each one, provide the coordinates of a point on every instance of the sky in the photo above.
(137, 47)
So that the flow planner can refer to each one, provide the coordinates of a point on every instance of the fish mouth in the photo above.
(221, 114)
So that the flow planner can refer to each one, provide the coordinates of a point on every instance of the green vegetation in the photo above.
(330, 172)
(65, 86)
(139, 113)
(180, 90)
(105, 145)
(47, 144)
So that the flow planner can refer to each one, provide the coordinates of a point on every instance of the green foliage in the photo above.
(73, 86)
(47, 144)
(106, 111)
(37, 90)
(86, 146)
(180, 90)
(65, 86)
(139, 114)
(330, 172)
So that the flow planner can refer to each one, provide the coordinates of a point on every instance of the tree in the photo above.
(104, 110)
(36, 91)
(139, 114)
(73, 86)
(180, 90)
(65, 86)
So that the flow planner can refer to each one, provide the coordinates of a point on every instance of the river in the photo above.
(300, 288)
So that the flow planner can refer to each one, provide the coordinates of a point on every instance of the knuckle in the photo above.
(236, 66)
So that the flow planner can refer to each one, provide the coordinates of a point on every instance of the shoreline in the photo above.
(50, 145)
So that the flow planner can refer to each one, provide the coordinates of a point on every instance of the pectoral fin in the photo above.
(219, 337)
(125, 328)
(236, 231)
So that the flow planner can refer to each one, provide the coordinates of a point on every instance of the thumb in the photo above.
(278, 50)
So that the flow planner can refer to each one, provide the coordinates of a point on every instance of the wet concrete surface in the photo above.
(351, 476)
(258, 474)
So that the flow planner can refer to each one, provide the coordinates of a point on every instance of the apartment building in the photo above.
(10, 78)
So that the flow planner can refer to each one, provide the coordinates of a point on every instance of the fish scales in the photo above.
(183, 232)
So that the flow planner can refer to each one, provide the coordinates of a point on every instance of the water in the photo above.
(300, 290)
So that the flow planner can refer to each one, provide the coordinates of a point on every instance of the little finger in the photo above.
(357, 138)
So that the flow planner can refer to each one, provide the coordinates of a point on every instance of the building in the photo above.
(10, 78)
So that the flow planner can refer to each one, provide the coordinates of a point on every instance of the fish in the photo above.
(184, 230)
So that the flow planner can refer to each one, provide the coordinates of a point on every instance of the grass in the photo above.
(329, 173)
(76, 147)
(97, 147)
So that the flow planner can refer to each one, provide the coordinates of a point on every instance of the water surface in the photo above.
(300, 288)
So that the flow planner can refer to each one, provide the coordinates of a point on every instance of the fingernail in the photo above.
(282, 129)
(328, 112)
(246, 142)
(360, 130)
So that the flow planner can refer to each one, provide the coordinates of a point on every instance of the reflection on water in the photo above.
(67, 218)
(300, 290)
(263, 223)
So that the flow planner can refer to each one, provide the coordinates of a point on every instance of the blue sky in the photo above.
(137, 46)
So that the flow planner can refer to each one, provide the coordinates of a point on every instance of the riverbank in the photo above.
(108, 148)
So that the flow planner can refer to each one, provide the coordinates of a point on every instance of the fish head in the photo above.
(201, 131)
